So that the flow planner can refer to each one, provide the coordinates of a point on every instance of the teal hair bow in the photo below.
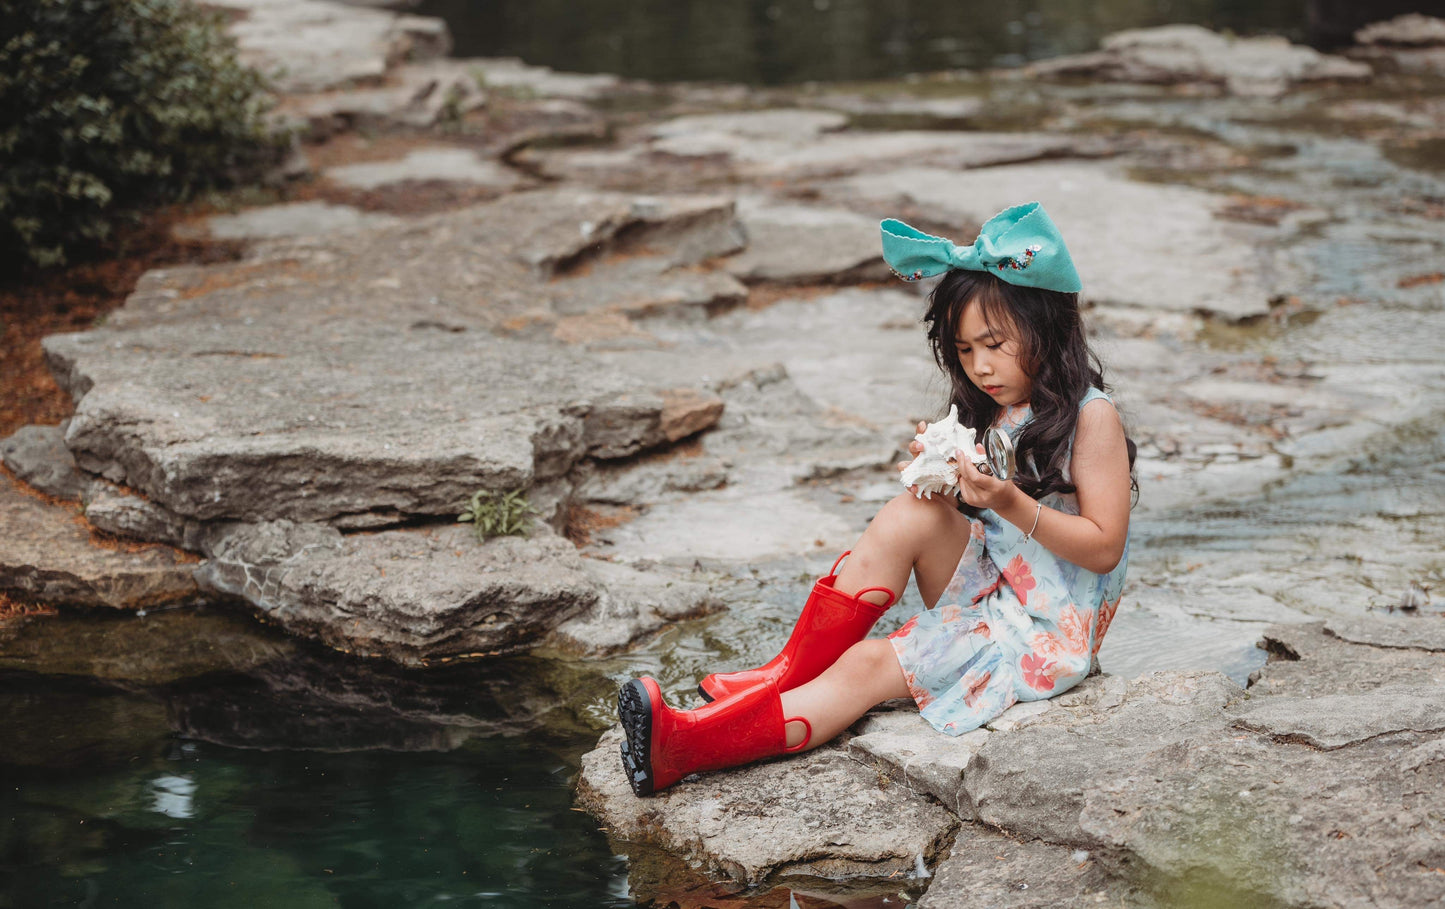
(1021, 245)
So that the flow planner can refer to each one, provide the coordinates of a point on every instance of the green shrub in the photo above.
(107, 106)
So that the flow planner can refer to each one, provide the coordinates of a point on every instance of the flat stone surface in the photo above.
(630, 604)
(38, 456)
(455, 165)
(364, 379)
(291, 219)
(1336, 720)
(309, 45)
(806, 243)
(1426, 632)
(777, 123)
(756, 822)
(805, 154)
(48, 556)
(1153, 246)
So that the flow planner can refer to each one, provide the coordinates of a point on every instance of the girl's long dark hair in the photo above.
(1053, 352)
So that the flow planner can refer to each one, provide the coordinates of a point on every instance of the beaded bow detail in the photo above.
(1021, 245)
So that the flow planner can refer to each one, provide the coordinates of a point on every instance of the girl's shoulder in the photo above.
(1095, 394)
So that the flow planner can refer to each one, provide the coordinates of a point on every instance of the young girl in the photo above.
(1022, 576)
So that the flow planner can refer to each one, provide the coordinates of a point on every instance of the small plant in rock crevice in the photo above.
(498, 514)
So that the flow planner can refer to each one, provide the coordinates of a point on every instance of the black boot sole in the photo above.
(705, 696)
(634, 709)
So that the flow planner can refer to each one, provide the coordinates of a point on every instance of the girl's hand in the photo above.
(978, 488)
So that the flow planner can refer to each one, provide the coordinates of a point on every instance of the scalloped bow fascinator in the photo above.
(1021, 245)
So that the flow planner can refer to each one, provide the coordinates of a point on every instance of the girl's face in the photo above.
(990, 357)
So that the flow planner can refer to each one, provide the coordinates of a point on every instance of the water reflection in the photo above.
(168, 821)
(780, 41)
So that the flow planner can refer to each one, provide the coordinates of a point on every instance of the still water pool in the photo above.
(781, 41)
(103, 804)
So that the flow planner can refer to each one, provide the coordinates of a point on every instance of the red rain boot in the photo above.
(831, 622)
(664, 745)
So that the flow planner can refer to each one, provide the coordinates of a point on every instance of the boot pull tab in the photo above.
(891, 598)
(833, 572)
(807, 734)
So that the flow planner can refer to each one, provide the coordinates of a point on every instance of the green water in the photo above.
(105, 803)
(783, 41)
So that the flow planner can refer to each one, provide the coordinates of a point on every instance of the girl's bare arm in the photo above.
(1094, 538)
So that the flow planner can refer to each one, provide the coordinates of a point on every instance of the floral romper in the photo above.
(1015, 623)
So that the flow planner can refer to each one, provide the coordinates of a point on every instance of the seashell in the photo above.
(933, 470)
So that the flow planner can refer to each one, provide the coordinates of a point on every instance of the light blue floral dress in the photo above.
(1016, 622)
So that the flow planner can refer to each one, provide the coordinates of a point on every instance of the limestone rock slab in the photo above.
(849, 152)
(1335, 720)
(37, 455)
(1034, 780)
(290, 219)
(987, 868)
(1422, 632)
(366, 378)
(806, 244)
(116, 510)
(821, 813)
(1189, 53)
(1306, 661)
(456, 165)
(309, 45)
(412, 596)
(524, 80)
(913, 753)
(47, 555)
(1151, 246)
(415, 95)
(631, 604)
(1409, 30)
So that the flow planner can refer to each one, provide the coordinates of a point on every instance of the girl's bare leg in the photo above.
(866, 674)
(922, 536)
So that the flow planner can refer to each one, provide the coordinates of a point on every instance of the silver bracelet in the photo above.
(1038, 510)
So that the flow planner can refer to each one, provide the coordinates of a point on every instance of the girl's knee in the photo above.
(871, 658)
(906, 513)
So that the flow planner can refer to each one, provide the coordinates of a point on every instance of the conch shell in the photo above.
(933, 471)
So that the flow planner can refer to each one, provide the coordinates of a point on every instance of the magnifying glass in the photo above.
(998, 449)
